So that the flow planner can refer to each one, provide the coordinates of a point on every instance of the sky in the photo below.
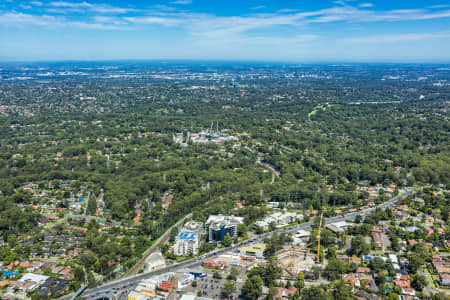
(249, 30)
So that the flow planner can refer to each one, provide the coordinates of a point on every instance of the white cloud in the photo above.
(210, 26)
(162, 7)
(287, 10)
(394, 38)
(36, 3)
(12, 18)
(257, 7)
(67, 7)
(69, 4)
(182, 2)
(154, 20)
(439, 6)
(365, 5)
(22, 19)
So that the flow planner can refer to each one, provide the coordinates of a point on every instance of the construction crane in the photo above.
(293, 253)
(318, 237)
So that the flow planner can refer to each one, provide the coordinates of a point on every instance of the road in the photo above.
(271, 168)
(133, 280)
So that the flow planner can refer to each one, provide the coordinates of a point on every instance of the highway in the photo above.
(106, 289)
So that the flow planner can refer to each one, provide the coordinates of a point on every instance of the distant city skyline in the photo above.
(253, 30)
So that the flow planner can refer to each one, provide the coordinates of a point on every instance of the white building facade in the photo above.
(186, 243)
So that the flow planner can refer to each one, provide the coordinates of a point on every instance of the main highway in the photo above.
(105, 290)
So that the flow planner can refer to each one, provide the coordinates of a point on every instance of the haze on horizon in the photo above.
(286, 30)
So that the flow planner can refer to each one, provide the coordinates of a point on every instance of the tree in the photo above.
(421, 250)
(47, 271)
(173, 234)
(206, 247)
(316, 293)
(273, 244)
(227, 241)
(234, 273)
(394, 296)
(194, 283)
(415, 262)
(300, 283)
(242, 229)
(380, 280)
(272, 293)
(91, 280)
(331, 252)
(316, 271)
(79, 274)
(377, 264)
(273, 271)
(259, 230)
(359, 246)
(216, 275)
(395, 243)
(228, 288)
(92, 205)
(327, 238)
(342, 291)
(336, 268)
(252, 288)
(419, 282)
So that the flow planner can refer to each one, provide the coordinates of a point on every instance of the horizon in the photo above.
(230, 61)
(285, 31)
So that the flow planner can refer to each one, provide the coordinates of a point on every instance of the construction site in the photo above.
(297, 260)
(294, 261)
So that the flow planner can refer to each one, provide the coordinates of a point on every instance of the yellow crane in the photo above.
(293, 252)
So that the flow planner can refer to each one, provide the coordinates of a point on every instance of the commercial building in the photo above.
(279, 219)
(134, 295)
(301, 237)
(187, 242)
(214, 265)
(194, 226)
(230, 259)
(218, 226)
(146, 288)
(337, 227)
(257, 250)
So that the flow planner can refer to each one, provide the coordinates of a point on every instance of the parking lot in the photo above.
(211, 287)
